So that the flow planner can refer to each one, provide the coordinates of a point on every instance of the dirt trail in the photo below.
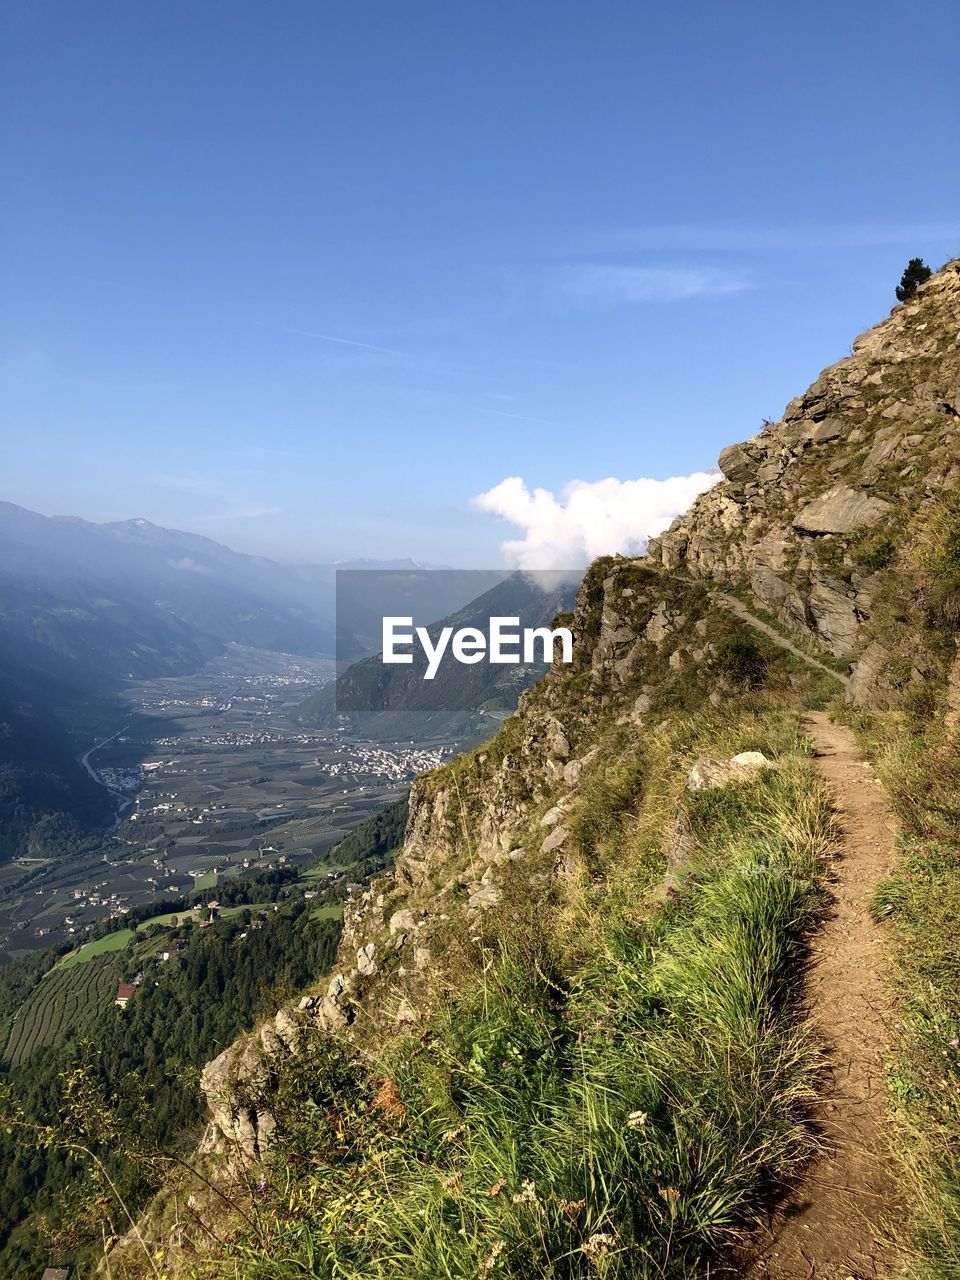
(833, 1228)
(737, 606)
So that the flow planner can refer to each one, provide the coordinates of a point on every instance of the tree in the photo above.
(916, 274)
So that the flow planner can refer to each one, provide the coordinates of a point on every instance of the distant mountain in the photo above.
(463, 702)
(366, 597)
(94, 603)
(85, 607)
(47, 801)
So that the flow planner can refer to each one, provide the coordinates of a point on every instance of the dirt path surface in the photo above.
(833, 1228)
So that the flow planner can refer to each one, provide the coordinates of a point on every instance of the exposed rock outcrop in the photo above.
(872, 440)
(839, 510)
(706, 774)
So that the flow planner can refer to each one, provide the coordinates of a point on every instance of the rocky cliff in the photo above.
(813, 536)
(812, 509)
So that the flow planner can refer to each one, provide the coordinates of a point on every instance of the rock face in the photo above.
(234, 1083)
(806, 516)
(839, 510)
(852, 459)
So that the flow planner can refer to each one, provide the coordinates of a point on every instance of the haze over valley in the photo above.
(151, 684)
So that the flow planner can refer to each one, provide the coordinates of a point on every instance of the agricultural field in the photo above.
(220, 779)
(66, 999)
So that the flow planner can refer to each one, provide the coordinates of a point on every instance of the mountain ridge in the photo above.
(629, 875)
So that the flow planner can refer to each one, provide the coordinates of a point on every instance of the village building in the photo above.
(124, 992)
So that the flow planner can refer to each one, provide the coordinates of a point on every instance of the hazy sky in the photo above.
(308, 277)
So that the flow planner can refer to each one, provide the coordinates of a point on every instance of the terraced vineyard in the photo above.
(67, 998)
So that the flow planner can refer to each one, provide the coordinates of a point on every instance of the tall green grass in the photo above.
(916, 619)
(921, 770)
(619, 1111)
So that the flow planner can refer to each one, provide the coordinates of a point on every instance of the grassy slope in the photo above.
(923, 900)
(115, 941)
(612, 1089)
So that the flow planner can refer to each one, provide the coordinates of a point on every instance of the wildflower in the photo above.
(387, 1099)
(454, 1182)
(637, 1119)
(955, 1044)
(573, 1208)
(527, 1193)
(497, 1187)
(490, 1261)
(453, 1134)
(599, 1245)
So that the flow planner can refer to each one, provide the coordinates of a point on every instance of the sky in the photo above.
(323, 281)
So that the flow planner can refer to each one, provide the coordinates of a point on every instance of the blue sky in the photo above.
(307, 278)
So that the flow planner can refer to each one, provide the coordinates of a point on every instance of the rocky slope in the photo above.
(812, 508)
(814, 525)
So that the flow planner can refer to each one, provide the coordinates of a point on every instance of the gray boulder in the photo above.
(736, 463)
(708, 773)
(366, 960)
(839, 510)
(557, 837)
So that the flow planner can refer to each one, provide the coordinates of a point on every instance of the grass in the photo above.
(174, 918)
(115, 941)
(318, 871)
(327, 911)
(614, 1100)
(921, 770)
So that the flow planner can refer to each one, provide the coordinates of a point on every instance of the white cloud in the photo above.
(588, 519)
(598, 284)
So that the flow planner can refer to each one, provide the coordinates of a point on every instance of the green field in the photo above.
(99, 947)
(181, 917)
(168, 918)
(319, 870)
(67, 998)
(331, 911)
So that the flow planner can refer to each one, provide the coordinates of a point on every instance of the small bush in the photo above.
(876, 552)
(915, 274)
(739, 661)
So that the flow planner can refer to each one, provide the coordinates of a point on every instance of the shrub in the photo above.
(916, 273)
(741, 662)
